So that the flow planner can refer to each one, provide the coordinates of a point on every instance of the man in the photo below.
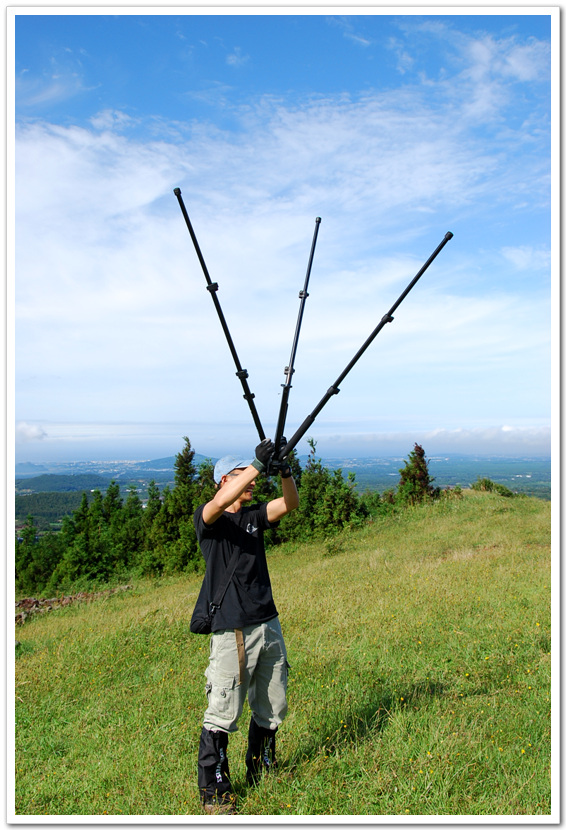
(247, 651)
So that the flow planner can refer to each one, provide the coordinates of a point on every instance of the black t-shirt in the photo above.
(248, 599)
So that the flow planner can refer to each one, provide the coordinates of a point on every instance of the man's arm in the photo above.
(228, 494)
(232, 487)
(277, 508)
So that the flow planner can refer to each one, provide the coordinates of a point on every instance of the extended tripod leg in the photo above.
(212, 287)
(334, 389)
(290, 368)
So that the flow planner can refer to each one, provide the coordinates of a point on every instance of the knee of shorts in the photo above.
(269, 720)
(269, 712)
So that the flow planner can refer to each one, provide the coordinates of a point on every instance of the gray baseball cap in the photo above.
(228, 463)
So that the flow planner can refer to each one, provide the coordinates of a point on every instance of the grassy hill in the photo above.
(420, 679)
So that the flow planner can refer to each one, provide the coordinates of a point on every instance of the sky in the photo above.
(393, 128)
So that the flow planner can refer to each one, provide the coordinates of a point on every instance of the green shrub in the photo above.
(489, 486)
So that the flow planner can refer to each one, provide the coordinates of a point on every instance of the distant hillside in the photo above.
(109, 469)
(530, 476)
(50, 483)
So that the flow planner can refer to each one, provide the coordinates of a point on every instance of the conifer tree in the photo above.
(25, 544)
(112, 502)
(183, 494)
(153, 506)
(415, 484)
(127, 529)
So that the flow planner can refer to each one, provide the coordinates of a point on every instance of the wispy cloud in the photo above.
(112, 120)
(237, 58)
(349, 30)
(64, 80)
(527, 258)
(56, 88)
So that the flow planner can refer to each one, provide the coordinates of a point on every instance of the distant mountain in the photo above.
(165, 463)
(157, 464)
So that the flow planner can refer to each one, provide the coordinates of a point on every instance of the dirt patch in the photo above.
(28, 606)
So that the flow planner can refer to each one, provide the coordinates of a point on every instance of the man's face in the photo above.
(247, 495)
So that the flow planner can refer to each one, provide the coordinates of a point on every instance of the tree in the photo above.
(25, 548)
(153, 506)
(415, 485)
(44, 557)
(112, 502)
(327, 502)
(205, 485)
(127, 529)
(170, 541)
(183, 494)
(79, 522)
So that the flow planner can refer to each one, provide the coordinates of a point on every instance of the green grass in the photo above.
(420, 680)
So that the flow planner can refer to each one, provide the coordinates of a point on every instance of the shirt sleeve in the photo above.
(198, 521)
(264, 522)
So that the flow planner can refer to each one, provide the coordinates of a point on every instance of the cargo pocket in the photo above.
(223, 697)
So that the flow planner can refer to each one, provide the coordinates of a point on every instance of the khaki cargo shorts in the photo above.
(260, 671)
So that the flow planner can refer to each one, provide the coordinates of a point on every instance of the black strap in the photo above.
(222, 588)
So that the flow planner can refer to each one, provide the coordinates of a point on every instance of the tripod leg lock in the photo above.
(242, 375)
(213, 286)
(387, 318)
(303, 295)
(333, 390)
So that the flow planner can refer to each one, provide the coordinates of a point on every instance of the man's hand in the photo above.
(263, 453)
(282, 466)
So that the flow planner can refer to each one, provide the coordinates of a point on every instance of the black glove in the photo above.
(283, 465)
(263, 453)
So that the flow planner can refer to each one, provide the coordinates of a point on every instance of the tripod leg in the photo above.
(290, 368)
(334, 389)
(212, 287)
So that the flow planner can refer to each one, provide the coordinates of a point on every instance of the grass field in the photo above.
(420, 680)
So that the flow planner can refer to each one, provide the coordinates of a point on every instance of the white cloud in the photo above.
(526, 62)
(29, 432)
(496, 440)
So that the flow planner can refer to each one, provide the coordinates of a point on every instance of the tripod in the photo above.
(282, 452)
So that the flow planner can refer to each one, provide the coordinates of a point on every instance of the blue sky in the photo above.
(394, 129)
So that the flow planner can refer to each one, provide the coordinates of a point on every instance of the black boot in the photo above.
(261, 752)
(213, 772)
